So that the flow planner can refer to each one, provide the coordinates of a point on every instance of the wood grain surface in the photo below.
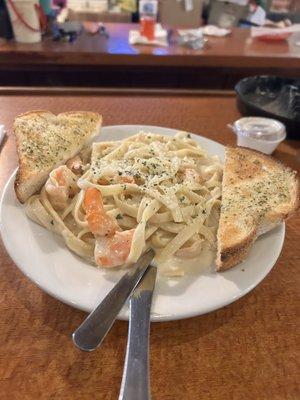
(247, 350)
(237, 50)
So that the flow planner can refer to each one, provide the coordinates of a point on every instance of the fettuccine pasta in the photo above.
(118, 199)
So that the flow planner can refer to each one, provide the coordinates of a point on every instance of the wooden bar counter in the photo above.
(226, 59)
(247, 350)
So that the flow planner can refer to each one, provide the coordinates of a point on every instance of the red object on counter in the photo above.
(148, 27)
(275, 38)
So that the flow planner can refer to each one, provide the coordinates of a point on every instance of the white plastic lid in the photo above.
(148, 7)
(263, 129)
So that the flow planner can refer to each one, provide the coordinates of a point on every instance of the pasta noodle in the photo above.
(145, 191)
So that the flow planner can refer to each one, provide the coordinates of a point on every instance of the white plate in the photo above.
(44, 258)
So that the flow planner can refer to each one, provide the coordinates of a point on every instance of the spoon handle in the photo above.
(135, 382)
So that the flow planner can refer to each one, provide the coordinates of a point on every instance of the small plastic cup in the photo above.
(148, 10)
(262, 134)
(148, 27)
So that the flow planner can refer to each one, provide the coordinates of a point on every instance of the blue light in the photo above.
(160, 51)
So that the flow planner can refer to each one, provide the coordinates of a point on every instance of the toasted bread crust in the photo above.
(235, 255)
(233, 250)
(31, 176)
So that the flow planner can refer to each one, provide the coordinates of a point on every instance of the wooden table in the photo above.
(95, 60)
(244, 351)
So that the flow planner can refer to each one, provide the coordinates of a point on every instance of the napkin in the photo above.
(160, 37)
(208, 30)
(212, 30)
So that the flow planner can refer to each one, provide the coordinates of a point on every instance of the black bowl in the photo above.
(271, 97)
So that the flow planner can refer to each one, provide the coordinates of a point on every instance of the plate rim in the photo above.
(154, 317)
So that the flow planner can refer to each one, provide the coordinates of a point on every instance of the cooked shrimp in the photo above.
(113, 251)
(60, 186)
(75, 164)
(112, 247)
(126, 179)
(191, 175)
(103, 181)
(100, 223)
